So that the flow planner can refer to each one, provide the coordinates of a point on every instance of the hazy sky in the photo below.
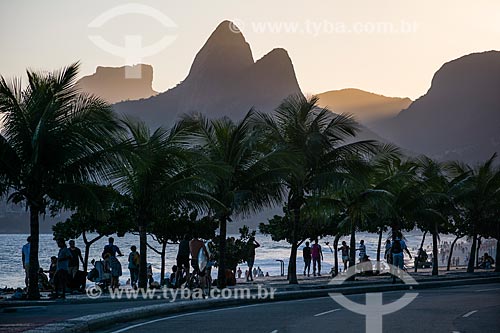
(388, 47)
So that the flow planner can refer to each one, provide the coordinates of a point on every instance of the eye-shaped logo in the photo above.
(132, 51)
(374, 309)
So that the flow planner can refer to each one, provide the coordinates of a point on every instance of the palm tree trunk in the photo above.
(221, 274)
(472, 257)
(435, 267)
(352, 246)
(497, 257)
(335, 253)
(451, 252)
(143, 248)
(33, 292)
(378, 249)
(419, 252)
(477, 251)
(163, 250)
(292, 262)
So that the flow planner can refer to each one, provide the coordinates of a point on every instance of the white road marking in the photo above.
(275, 331)
(182, 315)
(326, 312)
(487, 289)
(469, 313)
(208, 311)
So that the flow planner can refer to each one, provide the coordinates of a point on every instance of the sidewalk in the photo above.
(278, 282)
(65, 316)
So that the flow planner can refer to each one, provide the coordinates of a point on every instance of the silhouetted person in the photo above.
(306, 254)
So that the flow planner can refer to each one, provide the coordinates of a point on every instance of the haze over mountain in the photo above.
(459, 117)
(365, 106)
(223, 80)
(116, 84)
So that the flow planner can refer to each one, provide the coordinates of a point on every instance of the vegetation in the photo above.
(62, 149)
(54, 143)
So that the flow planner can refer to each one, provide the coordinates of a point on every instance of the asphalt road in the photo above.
(18, 319)
(461, 309)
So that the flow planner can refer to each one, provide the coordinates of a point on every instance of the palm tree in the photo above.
(161, 176)
(436, 202)
(365, 196)
(54, 140)
(246, 176)
(314, 141)
(478, 196)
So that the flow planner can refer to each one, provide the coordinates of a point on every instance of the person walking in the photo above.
(362, 250)
(25, 256)
(397, 247)
(251, 246)
(317, 256)
(306, 254)
(134, 260)
(74, 262)
(61, 277)
(345, 254)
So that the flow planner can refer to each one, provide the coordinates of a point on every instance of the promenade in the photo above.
(80, 313)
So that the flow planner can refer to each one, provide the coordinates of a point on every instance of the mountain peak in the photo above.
(225, 52)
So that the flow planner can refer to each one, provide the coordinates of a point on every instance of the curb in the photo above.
(94, 322)
(304, 287)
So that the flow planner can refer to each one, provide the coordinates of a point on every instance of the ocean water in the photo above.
(12, 273)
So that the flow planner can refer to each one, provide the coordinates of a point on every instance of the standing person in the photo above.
(134, 260)
(195, 245)
(52, 270)
(26, 260)
(397, 247)
(306, 254)
(61, 277)
(111, 248)
(362, 250)
(345, 254)
(116, 271)
(317, 256)
(74, 263)
(183, 259)
(251, 246)
(239, 273)
(388, 254)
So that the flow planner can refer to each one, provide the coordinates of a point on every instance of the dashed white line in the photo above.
(326, 312)
(469, 313)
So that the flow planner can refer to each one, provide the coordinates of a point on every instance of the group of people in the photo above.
(63, 271)
(189, 247)
(394, 254)
(312, 254)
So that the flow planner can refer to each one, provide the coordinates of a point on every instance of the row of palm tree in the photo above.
(63, 149)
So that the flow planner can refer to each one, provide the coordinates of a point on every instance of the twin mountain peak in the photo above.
(458, 118)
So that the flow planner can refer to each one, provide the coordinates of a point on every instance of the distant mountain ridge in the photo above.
(116, 84)
(223, 80)
(366, 107)
(459, 116)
